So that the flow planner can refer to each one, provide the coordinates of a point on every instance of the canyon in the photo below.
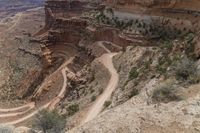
(100, 64)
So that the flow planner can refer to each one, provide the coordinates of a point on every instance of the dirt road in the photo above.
(51, 104)
(97, 107)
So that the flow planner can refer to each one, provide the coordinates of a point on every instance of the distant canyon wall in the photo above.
(145, 3)
(179, 4)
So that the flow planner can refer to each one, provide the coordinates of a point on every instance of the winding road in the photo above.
(106, 60)
(28, 107)
(29, 110)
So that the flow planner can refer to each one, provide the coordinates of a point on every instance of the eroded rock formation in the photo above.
(145, 3)
(68, 30)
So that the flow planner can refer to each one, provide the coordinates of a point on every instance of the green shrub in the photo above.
(167, 44)
(165, 93)
(133, 73)
(133, 93)
(107, 104)
(190, 45)
(110, 10)
(163, 63)
(49, 122)
(161, 69)
(93, 98)
(187, 70)
(72, 109)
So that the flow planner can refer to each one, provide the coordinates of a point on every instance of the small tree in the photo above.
(187, 70)
(107, 104)
(49, 122)
(166, 92)
(133, 73)
(72, 109)
(93, 98)
(110, 10)
(133, 93)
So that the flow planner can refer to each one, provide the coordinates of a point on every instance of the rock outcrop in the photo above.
(130, 118)
(144, 3)
(66, 29)
(154, 3)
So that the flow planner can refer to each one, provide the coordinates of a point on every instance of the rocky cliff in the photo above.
(149, 6)
(67, 27)
(155, 3)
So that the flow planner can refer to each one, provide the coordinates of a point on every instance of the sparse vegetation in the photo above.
(133, 73)
(163, 63)
(49, 122)
(107, 104)
(133, 93)
(166, 92)
(186, 70)
(159, 28)
(189, 45)
(167, 44)
(72, 109)
(93, 98)
(110, 10)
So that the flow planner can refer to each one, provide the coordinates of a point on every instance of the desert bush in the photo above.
(49, 122)
(133, 73)
(166, 92)
(187, 70)
(161, 69)
(107, 104)
(72, 109)
(167, 44)
(93, 98)
(133, 93)
(110, 10)
(190, 45)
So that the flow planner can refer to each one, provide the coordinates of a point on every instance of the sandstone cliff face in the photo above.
(63, 32)
(62, 8)
(66, 29)
(155, 3)
(149, 6)
(145, 3)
